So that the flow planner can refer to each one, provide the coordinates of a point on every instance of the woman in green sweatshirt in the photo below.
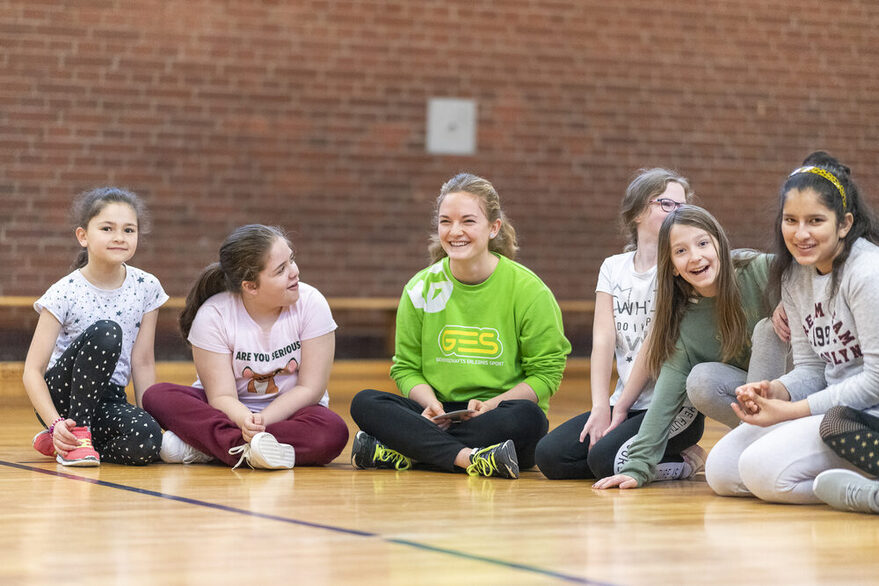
(476, 332)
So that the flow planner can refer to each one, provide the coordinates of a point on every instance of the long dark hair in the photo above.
(673, 292)
(864, 223)
(89, 204)
(242, 258)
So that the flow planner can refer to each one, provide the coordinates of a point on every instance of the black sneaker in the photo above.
(368, 452)
(497, 460)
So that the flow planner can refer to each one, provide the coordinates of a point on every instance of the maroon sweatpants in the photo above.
(317, 434)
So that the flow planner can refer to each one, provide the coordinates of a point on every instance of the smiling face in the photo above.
(278, 282)
(463, 228)
(694, 257)
(810, 230)
(111, 235)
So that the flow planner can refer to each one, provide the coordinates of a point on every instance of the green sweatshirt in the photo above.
(699, 341)
(478, 341)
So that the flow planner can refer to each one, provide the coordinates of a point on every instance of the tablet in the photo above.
(458, 415)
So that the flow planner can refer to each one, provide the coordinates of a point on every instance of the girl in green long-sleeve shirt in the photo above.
(476, 332)
(708, 301)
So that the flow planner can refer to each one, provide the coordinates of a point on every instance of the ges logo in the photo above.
(470, 342)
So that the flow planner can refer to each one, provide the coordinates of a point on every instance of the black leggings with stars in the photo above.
(854, 435)
(81, 390)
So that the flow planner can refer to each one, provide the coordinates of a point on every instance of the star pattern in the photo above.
(78, 304)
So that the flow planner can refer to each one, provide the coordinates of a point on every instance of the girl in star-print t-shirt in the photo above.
(95, 333)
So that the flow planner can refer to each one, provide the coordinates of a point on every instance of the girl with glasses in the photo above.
(709, 300)
(593, 444)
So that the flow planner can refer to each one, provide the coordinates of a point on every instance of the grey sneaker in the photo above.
(176, 451)
(847, 491)
(497, 460)
(265, 452)
(368, 452)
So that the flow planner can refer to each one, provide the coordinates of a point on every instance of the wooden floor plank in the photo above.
(203, 524)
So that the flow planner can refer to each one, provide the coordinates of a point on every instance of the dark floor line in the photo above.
(336, 529)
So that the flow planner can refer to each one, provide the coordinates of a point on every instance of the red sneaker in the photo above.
(44, 444)
(85, 454)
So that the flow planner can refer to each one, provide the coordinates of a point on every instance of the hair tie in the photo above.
(827, 175)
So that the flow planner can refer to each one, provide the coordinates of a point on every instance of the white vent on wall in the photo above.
(451, 126)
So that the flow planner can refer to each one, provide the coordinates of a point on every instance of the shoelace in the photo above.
(85, 442)
(852, 495)
(482, 465)
(244, 450)
(383, 454)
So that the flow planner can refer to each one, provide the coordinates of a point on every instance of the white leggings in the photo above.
(776, 463)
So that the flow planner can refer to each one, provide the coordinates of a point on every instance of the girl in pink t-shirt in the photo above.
(263, 345)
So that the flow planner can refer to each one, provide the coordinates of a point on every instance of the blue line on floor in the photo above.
(404, 542)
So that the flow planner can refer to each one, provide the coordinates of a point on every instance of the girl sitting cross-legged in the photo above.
(263, 344)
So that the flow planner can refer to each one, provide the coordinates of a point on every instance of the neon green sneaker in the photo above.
(497, 460)
(368, 452)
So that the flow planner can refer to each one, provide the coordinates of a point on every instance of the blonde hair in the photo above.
(504, 241)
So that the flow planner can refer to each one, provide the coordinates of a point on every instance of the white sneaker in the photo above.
(265, 452)
(694, 458)
(176, 451)
(847, 491)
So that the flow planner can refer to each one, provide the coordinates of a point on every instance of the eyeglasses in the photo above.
(667, 205)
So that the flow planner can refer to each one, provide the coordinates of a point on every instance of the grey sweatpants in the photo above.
(711, 386)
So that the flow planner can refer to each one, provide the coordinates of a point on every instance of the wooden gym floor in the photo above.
(204, 524)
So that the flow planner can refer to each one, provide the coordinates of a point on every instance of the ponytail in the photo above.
(209, 283)
(504, 241)
(242, 258)
(82, 259)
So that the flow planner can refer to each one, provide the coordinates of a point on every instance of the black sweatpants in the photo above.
(397, 422)
(561, 455)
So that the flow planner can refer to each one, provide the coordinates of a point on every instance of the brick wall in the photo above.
(311, 114)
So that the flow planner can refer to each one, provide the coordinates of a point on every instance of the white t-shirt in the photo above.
(78, 304)
(633, 297)
(265, 362)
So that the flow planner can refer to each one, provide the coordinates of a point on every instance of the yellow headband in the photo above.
(827, 175)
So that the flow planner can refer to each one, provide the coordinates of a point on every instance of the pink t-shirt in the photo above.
(265, 363)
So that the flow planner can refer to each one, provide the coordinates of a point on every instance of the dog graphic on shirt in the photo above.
(264, 384)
